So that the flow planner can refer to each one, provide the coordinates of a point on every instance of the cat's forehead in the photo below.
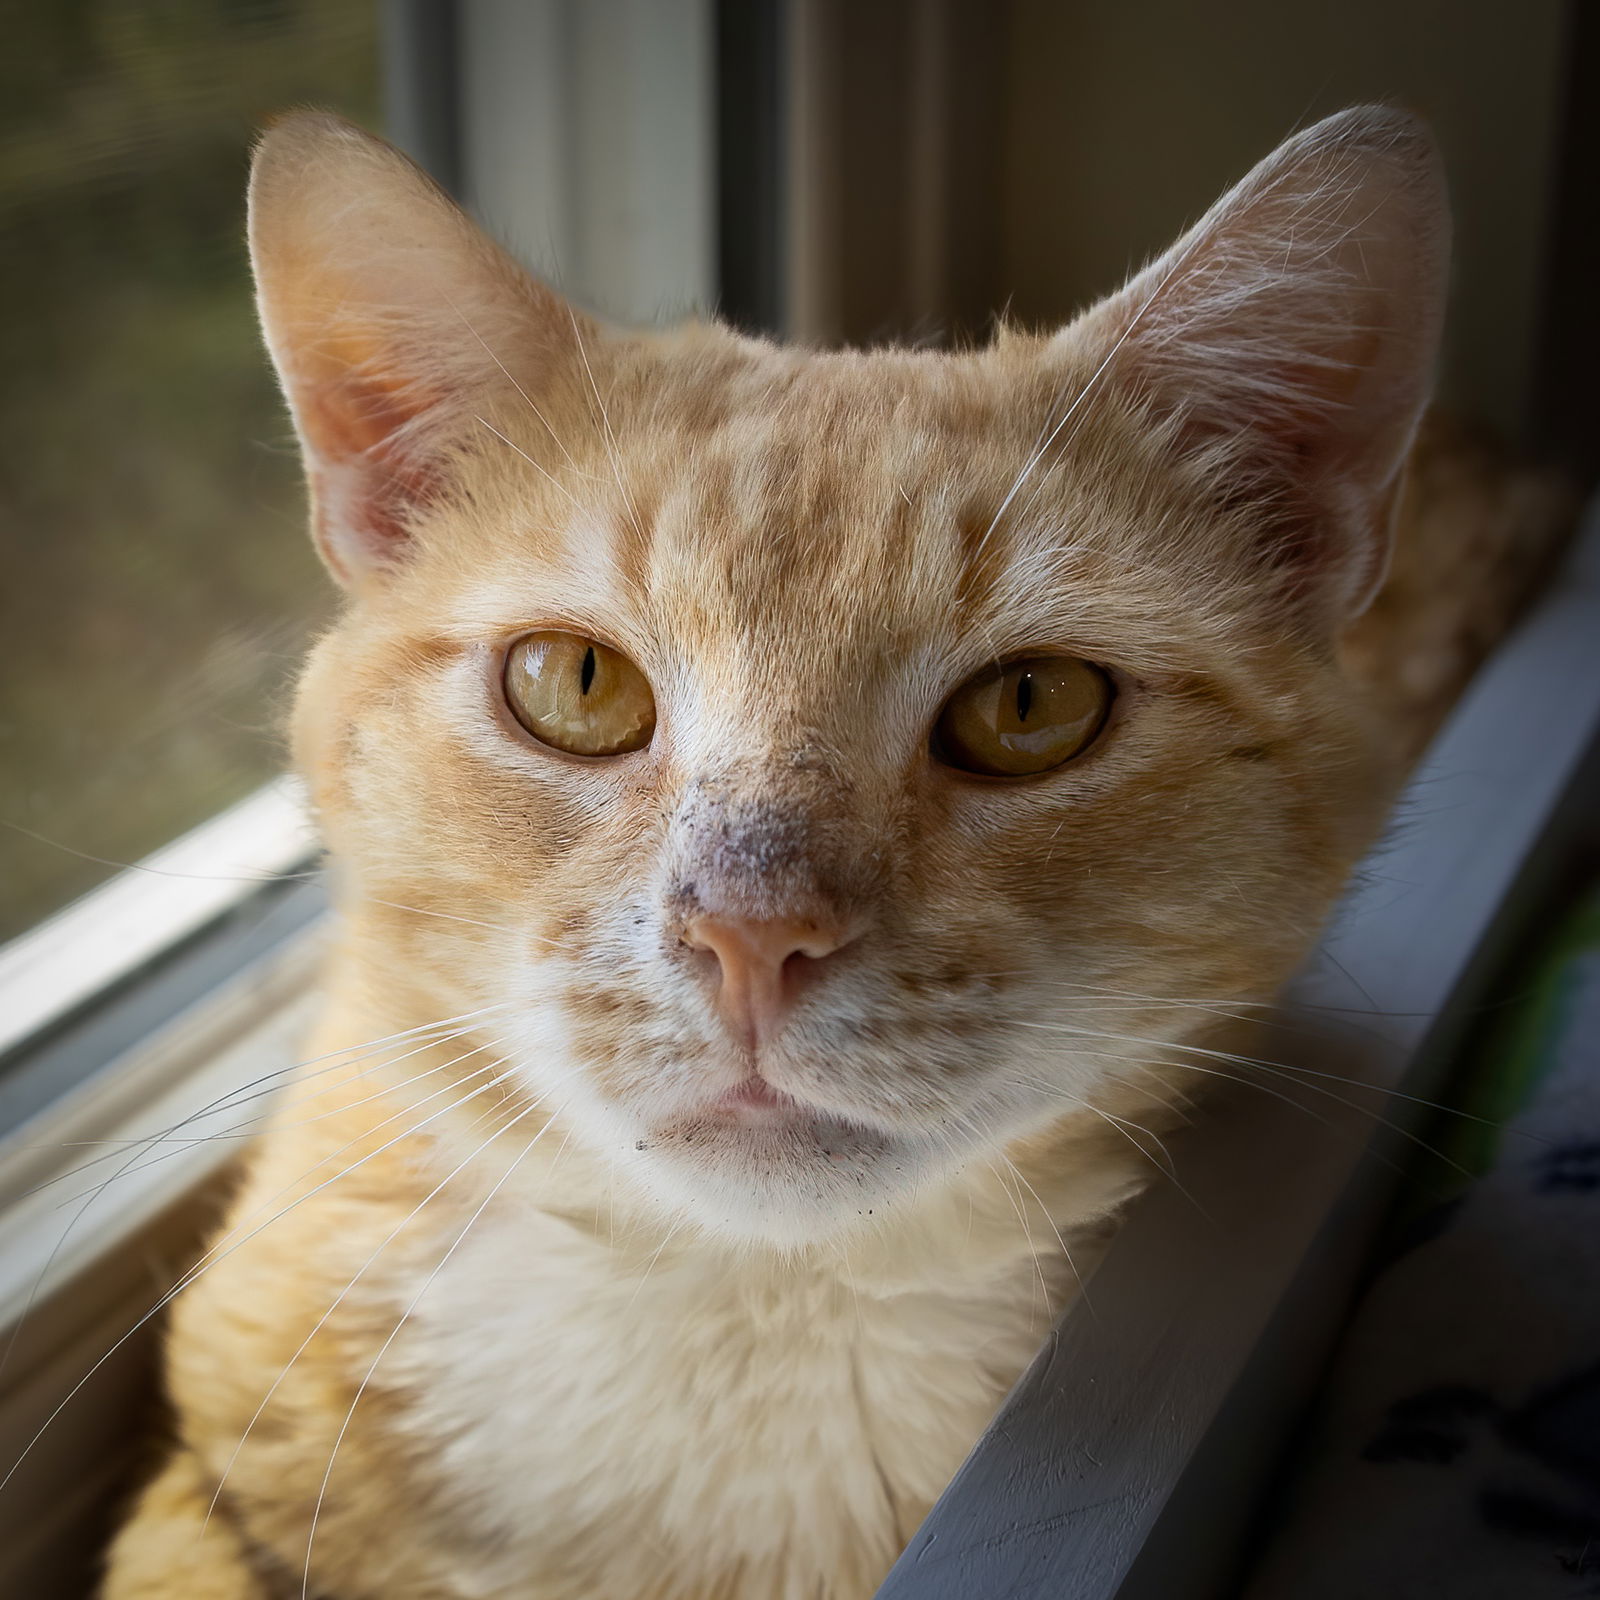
(820, 510)
(882, 501)
(870, 484)
(828, 437)
(839, 493)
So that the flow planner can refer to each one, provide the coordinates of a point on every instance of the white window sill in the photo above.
(100, 940)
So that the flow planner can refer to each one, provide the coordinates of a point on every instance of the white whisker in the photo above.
(133, 1163)
(212, 1260)
(339, 1299)
(305, 1588)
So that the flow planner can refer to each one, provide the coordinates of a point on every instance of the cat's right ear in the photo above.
(1289, 337)
(389, 315)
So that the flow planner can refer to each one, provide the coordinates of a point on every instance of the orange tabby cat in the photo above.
(782, 803)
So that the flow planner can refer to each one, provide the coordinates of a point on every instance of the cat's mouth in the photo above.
(758, 1120)
(757, 1161)
(754, 1103)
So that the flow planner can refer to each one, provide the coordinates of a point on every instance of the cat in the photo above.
(790, 813)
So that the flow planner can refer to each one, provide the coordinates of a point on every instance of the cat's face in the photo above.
(787, 961)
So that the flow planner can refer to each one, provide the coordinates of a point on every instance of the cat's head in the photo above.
(838, 766)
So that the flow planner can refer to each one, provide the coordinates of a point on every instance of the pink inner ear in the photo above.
(373, 287)
(1291, 334)
(366, 469)
(1312, 429)
(1289, 456)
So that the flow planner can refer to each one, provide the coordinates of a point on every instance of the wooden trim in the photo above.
(1566, 398)
(75, 1290)
(587, 146)
(421, 68)
(752, 114)
(893, 169)
(119, 930)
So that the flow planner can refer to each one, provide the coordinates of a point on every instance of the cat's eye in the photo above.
(1023, 717)
(579, 695)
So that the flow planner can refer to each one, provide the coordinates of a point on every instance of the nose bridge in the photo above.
(768, 845)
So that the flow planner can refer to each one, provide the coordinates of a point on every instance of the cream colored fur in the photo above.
(494, 1314)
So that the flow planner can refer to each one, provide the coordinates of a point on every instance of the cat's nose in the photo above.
(764, 964)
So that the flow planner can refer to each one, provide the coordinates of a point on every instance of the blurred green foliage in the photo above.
(156, 585)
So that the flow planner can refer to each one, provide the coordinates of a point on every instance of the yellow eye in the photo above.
(1023, 717)
(579, 695)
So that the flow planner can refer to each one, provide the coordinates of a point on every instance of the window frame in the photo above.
(104, 939)
(90, 953)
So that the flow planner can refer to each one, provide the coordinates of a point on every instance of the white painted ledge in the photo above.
(57, 967)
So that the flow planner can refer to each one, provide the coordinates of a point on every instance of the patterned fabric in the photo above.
(1456, 1453)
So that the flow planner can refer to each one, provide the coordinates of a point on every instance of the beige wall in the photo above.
(1124, 120)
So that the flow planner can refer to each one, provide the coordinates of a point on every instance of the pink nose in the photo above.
(765, 964)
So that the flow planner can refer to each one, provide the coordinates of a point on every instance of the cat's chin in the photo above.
(760, 1166)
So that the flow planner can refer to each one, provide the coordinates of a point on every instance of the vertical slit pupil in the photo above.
(1024, 695)
(586, 677)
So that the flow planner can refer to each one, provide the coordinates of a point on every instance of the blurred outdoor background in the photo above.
(156, 586)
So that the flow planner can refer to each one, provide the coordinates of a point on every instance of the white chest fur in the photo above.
(704, 1424)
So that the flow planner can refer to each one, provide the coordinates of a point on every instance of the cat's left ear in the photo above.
(389, 315)
(1291, 336)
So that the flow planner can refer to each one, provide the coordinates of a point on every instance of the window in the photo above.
(158, 585)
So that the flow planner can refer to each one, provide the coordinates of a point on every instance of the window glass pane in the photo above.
(157, 585)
